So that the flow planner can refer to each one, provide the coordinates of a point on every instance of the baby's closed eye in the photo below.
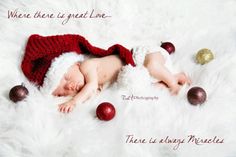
(61, 94)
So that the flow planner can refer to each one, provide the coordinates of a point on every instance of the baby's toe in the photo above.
(175, 90)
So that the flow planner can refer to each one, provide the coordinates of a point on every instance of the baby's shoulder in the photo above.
(88, 64)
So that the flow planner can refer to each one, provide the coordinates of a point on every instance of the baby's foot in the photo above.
(160, 85)
(182, 78)
(174, 89)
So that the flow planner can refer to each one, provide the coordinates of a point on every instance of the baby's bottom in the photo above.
(160, 67)
(155, 63)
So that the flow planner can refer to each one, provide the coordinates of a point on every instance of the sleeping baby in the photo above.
(48, 64)
(85, 78)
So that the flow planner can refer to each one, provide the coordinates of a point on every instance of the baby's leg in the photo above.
(154, 62)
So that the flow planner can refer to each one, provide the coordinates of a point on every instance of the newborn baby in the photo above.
(83, 79)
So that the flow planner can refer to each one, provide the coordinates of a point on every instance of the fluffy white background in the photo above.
(34, 128)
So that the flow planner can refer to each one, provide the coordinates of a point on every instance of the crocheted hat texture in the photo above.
(40, 52)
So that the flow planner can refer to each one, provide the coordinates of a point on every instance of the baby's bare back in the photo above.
(108, 68)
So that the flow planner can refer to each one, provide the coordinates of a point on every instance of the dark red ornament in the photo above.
(105, 111)
(18, 93)
(196, 96)
(168, 46)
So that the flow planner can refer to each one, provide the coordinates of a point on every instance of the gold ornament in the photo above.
(204, 56)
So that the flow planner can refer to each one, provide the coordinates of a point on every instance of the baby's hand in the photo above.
(67, 106)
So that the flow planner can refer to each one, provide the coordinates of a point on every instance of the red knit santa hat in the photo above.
(41, 51)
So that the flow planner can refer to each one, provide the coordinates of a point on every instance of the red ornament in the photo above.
(196, 96)
(168, 46)
(18, 93)
(105, 111)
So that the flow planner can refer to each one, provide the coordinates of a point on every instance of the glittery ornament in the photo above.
(204, 56)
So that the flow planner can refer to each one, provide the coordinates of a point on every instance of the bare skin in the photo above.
(82, 80)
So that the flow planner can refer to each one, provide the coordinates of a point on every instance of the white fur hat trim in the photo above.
(58, 68)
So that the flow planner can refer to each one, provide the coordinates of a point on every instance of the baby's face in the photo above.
(71, 83)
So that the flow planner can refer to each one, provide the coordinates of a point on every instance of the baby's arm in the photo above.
(89, 88)
(91, 79)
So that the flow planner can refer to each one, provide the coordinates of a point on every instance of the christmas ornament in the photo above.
(168, 46)
(105, 111)
(196, 96)
(18, 93)
(204, 56)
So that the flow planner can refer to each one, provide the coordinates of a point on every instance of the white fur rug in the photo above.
(34, 127)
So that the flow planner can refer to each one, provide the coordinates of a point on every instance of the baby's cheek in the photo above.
(73, 93)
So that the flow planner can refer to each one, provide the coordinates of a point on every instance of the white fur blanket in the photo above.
(34, 127)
